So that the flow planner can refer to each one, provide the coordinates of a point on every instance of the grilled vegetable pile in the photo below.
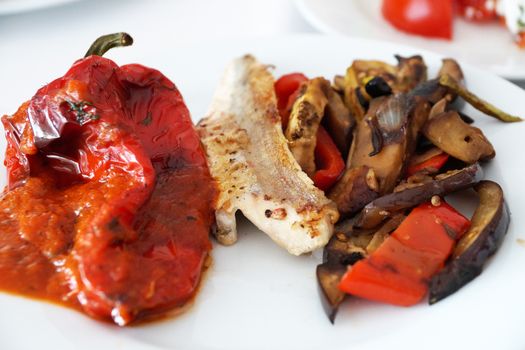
(387, 144)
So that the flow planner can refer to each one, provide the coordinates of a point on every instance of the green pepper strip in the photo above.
(476, 102)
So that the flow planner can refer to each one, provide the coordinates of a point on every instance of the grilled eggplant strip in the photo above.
(411, 71)
(454, 86)
(429, 90)
(328, 278)
(384, 231)
(356, 188)
(452, 68)
(408, 73)
(339, 122)
(352, 95)
(383, 142)
(343, 249)
(347, 246)
(418, 118)
(399, 119)
(356, 77)
(488, 228)
(256, 173)
(339, 84)
(438, 108)
(457, 138)
(350, 243)
(433, 91)
(378, 210)
(346, 249)
(305, 118)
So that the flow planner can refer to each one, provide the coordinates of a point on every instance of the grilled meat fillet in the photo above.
(256, 173)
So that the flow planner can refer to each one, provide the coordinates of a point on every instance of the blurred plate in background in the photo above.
(15, 6)
(488, 46)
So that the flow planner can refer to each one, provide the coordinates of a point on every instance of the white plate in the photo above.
(256, 296)
(16, 6)
(488, 46)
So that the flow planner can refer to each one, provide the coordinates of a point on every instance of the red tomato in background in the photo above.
(477, 10)
(431, 18)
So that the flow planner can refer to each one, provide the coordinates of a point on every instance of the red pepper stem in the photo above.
(107, 42)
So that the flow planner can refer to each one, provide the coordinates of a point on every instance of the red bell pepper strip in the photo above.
(287, 90)
(430, 18)
(434, 163)
(399, 270)
(328, 160)
(327, 157)
(383, 284)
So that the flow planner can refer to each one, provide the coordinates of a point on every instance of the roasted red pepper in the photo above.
(399, 270)
(432, 164)
(287, 90)
(328, 160)
(114, 150)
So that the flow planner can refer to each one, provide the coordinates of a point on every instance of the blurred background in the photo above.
(40, 38)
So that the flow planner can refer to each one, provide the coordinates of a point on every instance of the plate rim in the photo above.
(11, 7)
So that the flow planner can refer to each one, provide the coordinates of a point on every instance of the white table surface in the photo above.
(38, 46)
